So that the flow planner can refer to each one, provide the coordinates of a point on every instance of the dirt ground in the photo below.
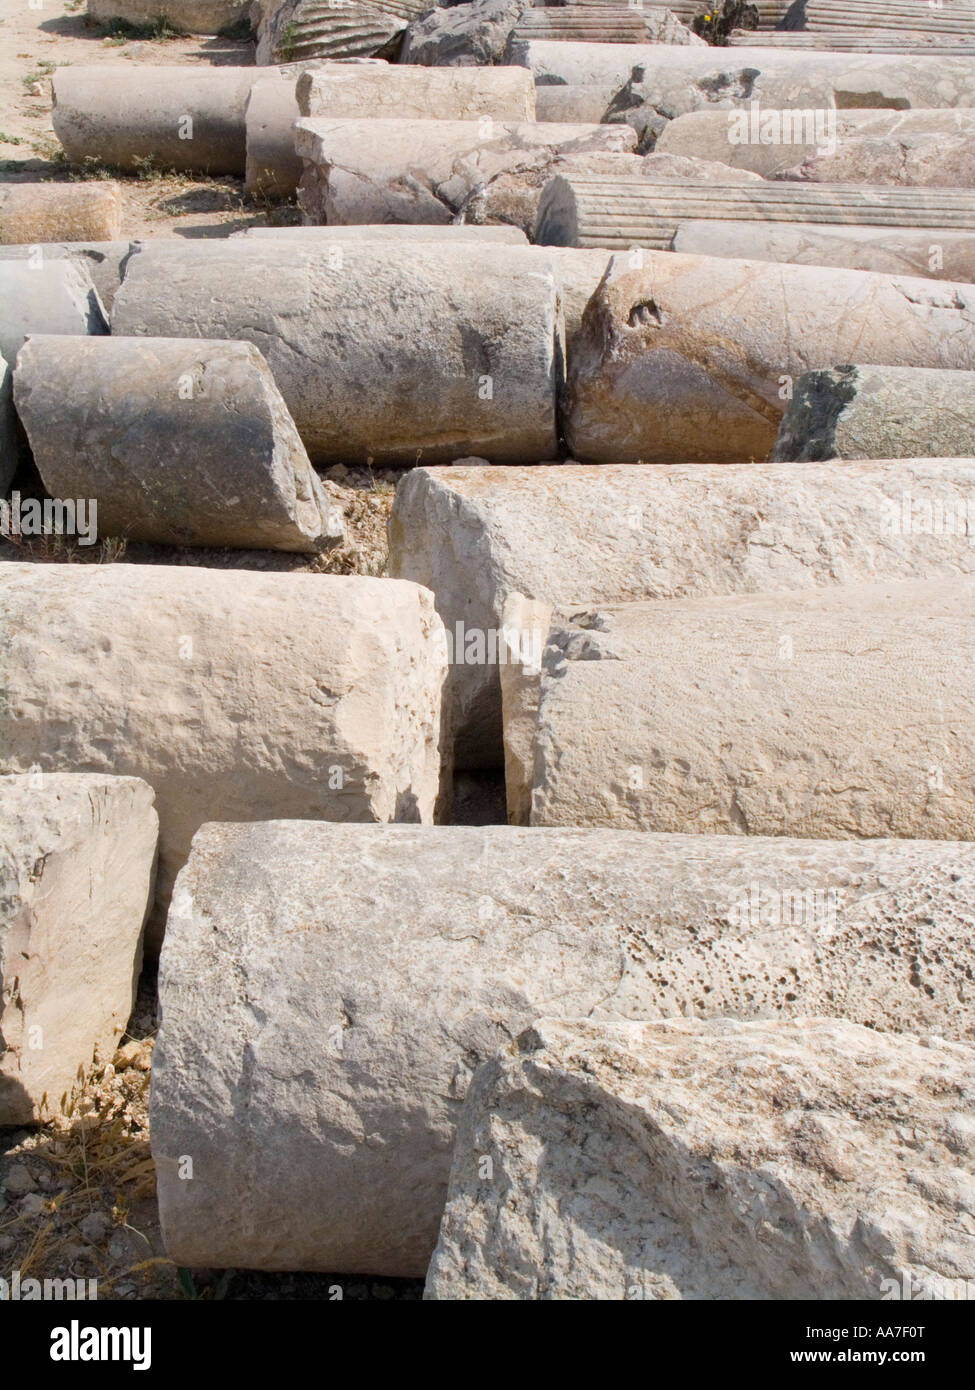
(35, 41)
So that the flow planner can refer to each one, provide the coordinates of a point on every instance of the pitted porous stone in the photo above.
(233, 693)
(328, 990)
(688, 358)
(76, 873)
(848, 712)
(569, 535)
(809, 1159)
(435, 353)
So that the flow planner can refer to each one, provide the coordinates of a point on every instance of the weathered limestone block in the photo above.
(809, 1159)
(464, 35)
(567, 104)
(45, 296)
(321, 1128)
(186, 16)
(849, 712)
(177, 117)
(393, 231)
(104, 260)
(179, 441)
(233, 693)
(622, 211)
(648, 86)
(687, 358)
(665, 167)
(34, 212)
(570, 535)
(458, 354)
(433, 94)
(934, 253)
(76, 875)
(303, 29)
(768, 142)
(434, 171)
(869, 412)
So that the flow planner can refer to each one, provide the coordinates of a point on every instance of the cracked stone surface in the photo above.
(847, 712)
(423, 171)
(809, 1159)
(919, 161)
(647, 87)
(392, 960)
(686, 359)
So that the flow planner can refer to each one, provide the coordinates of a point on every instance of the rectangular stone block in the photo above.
(76, 880)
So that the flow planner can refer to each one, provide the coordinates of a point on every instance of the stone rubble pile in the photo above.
(674, 345)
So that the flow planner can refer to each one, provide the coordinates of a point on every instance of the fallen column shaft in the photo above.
(935, 253)
(457, 355)
(571, 534)
(77, 866)
(356, 90)
(617, 213)
(313, 29)
(849, 712)
(185, 16)
(37, 212)
(178, 441)
(686, 359)
(769, 142)
(434, 171)
(104, 261)
(632, 1161)
(411, 954)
